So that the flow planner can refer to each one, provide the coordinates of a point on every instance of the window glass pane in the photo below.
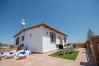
(52, 37)
(17, 41)
(64, 40)
(22, 38)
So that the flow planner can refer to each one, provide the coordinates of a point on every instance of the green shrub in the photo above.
(65, 44)
(0, 58)
(11, 46)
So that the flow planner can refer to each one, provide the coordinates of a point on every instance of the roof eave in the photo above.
(46, 25)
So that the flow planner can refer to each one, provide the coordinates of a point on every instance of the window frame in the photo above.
(64, 39)
(52, 37)
(17, 40)
(60, 40)
(23, 38)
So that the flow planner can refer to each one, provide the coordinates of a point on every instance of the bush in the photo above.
(65, 44)
(0, 44)
(74, 45)
(68, 44)
(0, 58)
(11, 46)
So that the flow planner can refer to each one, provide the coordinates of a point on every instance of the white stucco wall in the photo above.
(47, 45)
(39, 41)
(33, 42)
(20, 38)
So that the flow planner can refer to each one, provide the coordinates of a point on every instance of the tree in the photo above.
(0, 44)
(90, 34)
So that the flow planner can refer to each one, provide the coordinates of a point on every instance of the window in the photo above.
(52, 37)
(60, 40)
(64, 40)
(47, 33)
(30, 35)
(22, 38)
(17, 41)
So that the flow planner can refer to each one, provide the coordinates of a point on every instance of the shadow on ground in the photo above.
(90, 60)
(87, 64)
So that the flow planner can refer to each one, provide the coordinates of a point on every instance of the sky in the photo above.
(73, 17)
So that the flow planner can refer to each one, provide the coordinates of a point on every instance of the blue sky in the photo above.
(73, 17)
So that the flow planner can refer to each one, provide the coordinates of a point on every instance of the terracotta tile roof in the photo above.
(44, 25)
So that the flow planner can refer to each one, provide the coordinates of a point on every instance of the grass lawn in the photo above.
(70, 56)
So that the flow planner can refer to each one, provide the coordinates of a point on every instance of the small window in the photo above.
(47, 33)
(30, 35)
(22, 38)
(60, 40)
(52, 37)
(64, 40)
(17, 41)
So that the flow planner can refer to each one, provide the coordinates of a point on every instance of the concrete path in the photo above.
(45, 60)
(83, 59)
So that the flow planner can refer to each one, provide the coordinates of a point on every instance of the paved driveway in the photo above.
(45, 60)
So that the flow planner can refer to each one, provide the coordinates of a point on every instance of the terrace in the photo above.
(45, 60)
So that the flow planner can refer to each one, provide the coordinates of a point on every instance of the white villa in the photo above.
(40, 38)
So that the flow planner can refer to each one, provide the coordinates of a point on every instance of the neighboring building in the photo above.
(93, 47)
(40, 38)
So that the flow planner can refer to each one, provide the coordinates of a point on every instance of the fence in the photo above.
(79, 46)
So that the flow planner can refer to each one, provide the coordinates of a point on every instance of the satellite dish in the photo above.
(23, 22)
